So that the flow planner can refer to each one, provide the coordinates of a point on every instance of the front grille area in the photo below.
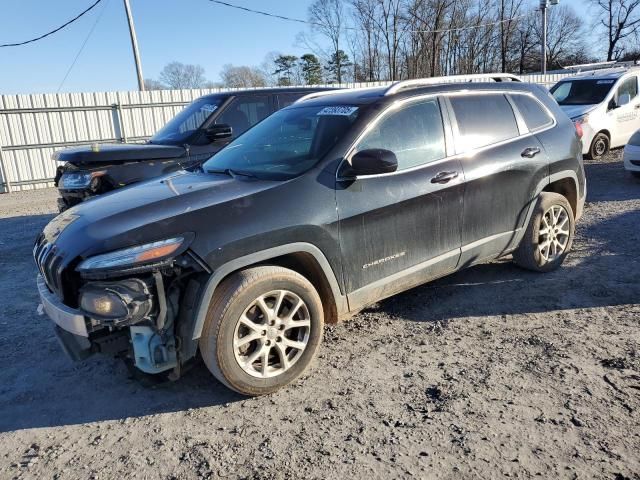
(49, 264)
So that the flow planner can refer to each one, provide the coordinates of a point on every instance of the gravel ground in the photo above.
(492, 372)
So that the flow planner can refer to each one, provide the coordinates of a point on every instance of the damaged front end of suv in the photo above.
(123, 303)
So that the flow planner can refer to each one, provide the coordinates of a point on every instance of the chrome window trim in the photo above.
(444, 97)
(396, 105)
(552, 118)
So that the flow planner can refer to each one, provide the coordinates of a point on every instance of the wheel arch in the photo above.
(603, 131)
(303, 258)
(568, 188)
(553, 183)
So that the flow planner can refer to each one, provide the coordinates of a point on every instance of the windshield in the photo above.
(286, 144)
(187, 122)
(582, 92)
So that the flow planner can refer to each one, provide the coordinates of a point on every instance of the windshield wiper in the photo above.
(232, 173)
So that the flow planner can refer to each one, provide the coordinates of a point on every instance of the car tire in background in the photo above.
(599, 146)
(549, 235)
(263, 328)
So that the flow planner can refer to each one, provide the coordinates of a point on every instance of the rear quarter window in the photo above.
(483, 120)
(535, 116)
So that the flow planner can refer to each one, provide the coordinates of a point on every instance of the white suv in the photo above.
(605, 103)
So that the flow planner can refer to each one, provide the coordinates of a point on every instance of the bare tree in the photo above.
(390, 22)
(507, 11)
(394, 39)
(151, 84)
(367, 38)
(327, 19)
(621, 20)
(177, 75)
(242, 76)
(526, 43)
(431, 20)
(564, 36)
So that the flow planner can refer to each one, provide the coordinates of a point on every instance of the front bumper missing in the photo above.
(66, 318)
(70, 325)
(77, 348)
(153, 353)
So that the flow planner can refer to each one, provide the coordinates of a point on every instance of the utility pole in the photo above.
(543, 8)
(134, 46)
(544, 4)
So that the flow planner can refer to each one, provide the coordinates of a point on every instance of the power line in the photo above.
(307, 22)
(95, 24)
(52, 31)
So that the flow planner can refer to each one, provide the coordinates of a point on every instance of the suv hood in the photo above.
(149, 211)
(117, 152)
(575, 111)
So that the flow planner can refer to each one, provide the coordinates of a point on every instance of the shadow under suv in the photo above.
(331, 204)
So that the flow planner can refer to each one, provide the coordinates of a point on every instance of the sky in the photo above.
(189, 31)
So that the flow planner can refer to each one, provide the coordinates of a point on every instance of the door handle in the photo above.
(444, 177)
(530, 152)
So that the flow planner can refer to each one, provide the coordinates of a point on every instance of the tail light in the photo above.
(579, 129)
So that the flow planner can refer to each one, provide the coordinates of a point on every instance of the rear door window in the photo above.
(535, 116)
(483, 120)
(415, 134)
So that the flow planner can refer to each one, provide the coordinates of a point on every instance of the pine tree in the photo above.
(311, 69)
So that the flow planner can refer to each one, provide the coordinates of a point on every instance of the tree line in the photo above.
(371, 40)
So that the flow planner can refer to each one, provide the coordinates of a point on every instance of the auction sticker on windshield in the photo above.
(209, 108)
(341, 110)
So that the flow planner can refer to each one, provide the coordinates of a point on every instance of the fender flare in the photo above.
(548, 180)
(262, 256)
(580, 200)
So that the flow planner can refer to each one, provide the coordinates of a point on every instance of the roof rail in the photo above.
(313, 95)
(309, 96)
(419, 82)
(588, 67)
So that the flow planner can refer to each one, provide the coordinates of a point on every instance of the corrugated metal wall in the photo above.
(32, 127)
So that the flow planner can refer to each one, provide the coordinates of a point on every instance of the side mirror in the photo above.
(624, 99)
(373, 161)
(218, 132)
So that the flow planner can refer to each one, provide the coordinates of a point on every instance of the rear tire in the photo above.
(549, 236)
(599, 146)
(263, 329)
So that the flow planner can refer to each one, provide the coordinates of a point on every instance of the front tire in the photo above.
(549, 236)
(263, 329)
(599, 147)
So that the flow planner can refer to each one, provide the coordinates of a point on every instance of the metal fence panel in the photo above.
(33, 127)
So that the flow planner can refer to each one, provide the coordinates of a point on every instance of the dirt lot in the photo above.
(493, 372)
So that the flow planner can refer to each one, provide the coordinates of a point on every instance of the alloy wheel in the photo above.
(272, 334)
(554, 233)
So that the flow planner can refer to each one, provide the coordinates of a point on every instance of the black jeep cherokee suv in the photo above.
(205, 126)
(335, 202)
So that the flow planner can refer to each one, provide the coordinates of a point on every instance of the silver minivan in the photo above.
(605, 103)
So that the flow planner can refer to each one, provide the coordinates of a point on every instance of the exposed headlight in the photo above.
(150, 252)
(116, 302)
(80, 180)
